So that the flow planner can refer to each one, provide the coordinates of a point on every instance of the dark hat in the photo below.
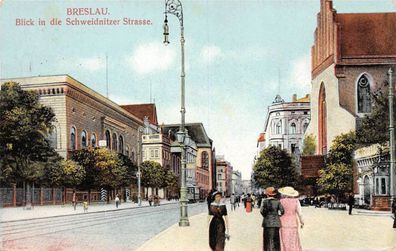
(215, 193)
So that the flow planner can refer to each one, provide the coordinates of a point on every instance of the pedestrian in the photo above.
(271, 210)
(394, 213)
(244, 199)
(218, 223)
(74, 200)
(253, 200)
(290, 219)
(150, 200)
(232, 201)
(351, 202)
(85, 206)
(248, 203)
(238, 200)
(117, 200)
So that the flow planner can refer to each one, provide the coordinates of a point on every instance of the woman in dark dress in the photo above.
(394, 212)
(218, 223)
(271, 209)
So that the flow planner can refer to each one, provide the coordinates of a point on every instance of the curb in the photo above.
(95, 212)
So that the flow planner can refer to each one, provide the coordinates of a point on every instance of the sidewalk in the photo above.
(19, 213)
(324, 230)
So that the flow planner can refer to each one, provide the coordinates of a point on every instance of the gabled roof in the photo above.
(142, 110)
(195, 130)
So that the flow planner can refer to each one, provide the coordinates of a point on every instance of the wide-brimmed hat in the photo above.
(270, 191)
(288, 191)
(215, 193)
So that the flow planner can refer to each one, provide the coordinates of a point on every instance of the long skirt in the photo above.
(217, 234)
(394, 221)
(248, 207)
(290, 239)
(271, 239)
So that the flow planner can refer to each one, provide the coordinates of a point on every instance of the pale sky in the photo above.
(233, 52)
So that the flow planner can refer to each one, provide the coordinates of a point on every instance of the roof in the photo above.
(367, 34)
(195, 130)
(142, 110)
(36, 82)
(304, 99)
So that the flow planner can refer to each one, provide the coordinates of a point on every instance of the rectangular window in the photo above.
(152, 153)
(156, 153)
(383, 186)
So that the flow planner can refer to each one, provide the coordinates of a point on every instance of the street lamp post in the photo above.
(391, 138)
(174, 7)
(139, 174)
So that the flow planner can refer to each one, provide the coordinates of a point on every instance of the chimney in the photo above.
(294, 98)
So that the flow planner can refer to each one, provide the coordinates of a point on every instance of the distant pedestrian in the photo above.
(74, 200)
(218, 223)
(117, 201)
(290, 219)
(233, 201)
(150, 200)
(351, 202)
(85, 206)
(259, 200)
(238, 200)
(394, 213)
(249, 204)
(271, 210)
(244, 199)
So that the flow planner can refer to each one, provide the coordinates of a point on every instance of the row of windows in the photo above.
(115, 142)
(84, 139)
(277, 128)
(203, 179)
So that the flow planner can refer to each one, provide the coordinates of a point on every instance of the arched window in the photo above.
(108, 139)
(121, 144)
(293, 128)
(279, 127)
(83, 139)
(363, 95)
(322, 116)
(73, 139)
(127, 151)
(114, 147)
(53, 138)
(305, 126)
(133, 156)
(93, 140)
(205, 160)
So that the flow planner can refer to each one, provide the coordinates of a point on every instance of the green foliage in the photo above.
(335, 179)
(153, 175)
(102, 168)
(73, 173)
(342, 149)
(309, 145)
(24, 127)
(131, 168)
(374, 128)
(275, 168)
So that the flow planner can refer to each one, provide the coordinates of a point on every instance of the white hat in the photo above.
(288, 191)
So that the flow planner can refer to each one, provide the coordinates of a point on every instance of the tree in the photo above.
(337, 176)
(153, 175)
(335, 179)
(172, 181)
(25, 125)
(309, 145)
(342, 149)
(274, 168)
(131, 168)
(102, 166)
(73, 173)
(374, 128)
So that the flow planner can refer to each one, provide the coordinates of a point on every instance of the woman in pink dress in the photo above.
(290, 239)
